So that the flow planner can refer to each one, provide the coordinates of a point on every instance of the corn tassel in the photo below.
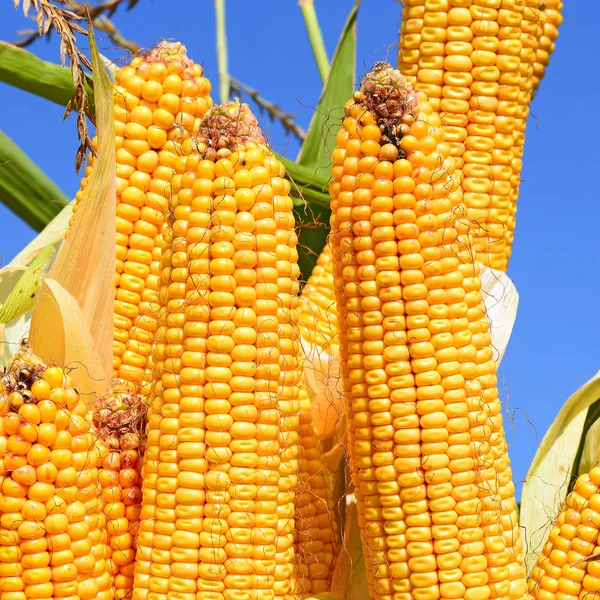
(160, 98)
(119, 422)
(469, 57)
(428, 452)
(52, 530)
(563, 570)
(221, 462)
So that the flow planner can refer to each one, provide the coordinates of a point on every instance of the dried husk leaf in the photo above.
(501, 301)
(349, 574)
(60, 335)
(546, 484)
(85, 266)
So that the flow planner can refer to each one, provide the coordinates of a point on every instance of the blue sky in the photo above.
(555, 263)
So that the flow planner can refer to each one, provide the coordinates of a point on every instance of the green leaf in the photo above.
(307, 186)
(26, 71)
(315, 154)
(25, 189)
(547, 481)
(23, 295)
(320, 139)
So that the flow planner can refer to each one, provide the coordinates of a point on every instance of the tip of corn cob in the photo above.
(388, 96)
(229, 125)
(119, 417)
(166, 51)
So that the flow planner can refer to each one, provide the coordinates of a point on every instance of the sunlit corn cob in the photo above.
(160, 98)
(119, 421)
(221, 462)
(562, 571)
(428, 452)
(316, 544)
(320, 344)
(467, 55)
(551, 19)
(52, 529)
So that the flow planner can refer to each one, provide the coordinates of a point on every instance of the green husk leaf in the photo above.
(25, 188)
(547, 481)
(315, 153)
(307, 186)
(26, 71)
(110, 66)
(22, 297)
(52, 235)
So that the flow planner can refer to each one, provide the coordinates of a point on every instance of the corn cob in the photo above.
(428, 452)
(160, 98)
(468, 56)
(119, 421)
(52, 529)
(316, 543)
(551, 19)
(221, 462)
(562, 571)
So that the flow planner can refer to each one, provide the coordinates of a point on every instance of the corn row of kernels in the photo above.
(289, 379)
(561, 569)
(530, 27)
(316, 527)
(551, 18)
(120, 480)
(53, 541)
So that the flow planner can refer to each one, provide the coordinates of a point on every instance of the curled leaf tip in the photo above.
(229, 125)
(388, 96)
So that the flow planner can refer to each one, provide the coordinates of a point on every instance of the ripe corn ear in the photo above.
(53, 540)
(119, 421)
(562, 570)
(427, 447)
(220, 470)
(474, 59)
(159, 99)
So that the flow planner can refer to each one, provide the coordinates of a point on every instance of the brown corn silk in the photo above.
(427, 448)
(160, 98)
(220, 471)
(568, 565)
(119, 421)
(475, 61)
(53, 540)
